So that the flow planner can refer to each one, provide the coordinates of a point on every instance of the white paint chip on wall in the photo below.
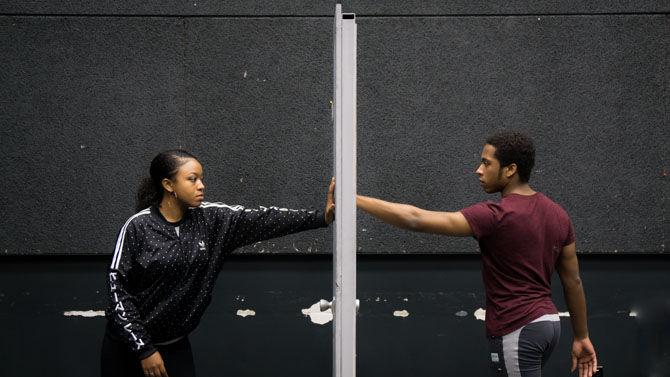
(246, 313)
(84, 313)
(317, 316)
(401, 313)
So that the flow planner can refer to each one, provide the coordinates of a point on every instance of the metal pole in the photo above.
(344, 254)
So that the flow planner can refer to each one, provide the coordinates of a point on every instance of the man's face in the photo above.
(489, 173)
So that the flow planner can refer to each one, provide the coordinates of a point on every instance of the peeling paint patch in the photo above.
(480, 314)
(461, 313)
(317, 316)
(84, 313)
(401, 313)
(246, 313)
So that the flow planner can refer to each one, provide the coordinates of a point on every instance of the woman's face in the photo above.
(188, 183)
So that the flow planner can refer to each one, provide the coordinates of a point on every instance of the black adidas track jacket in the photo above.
(162, 274)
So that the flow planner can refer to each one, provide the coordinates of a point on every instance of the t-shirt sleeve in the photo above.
(482, 217)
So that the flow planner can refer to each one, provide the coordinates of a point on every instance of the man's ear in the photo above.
(510, 170)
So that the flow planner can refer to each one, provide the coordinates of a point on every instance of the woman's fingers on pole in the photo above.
(329, 214)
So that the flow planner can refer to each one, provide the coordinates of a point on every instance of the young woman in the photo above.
(166, 261)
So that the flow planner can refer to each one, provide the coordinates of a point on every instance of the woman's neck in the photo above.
(171, 209)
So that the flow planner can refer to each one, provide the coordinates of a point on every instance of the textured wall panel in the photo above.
(172, 7)
(592, 91)
(327, 8)
(87, 101)
(86, 104)
(258, 108)
(483, 7)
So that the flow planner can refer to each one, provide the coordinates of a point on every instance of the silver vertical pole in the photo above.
(344, 256)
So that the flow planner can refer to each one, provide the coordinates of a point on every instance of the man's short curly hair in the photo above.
(514, 147)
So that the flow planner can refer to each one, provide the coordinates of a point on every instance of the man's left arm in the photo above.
(583, 352)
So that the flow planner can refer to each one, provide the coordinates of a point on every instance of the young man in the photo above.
(523, 238)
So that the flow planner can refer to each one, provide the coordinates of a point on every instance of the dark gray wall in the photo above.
(89, 101)
(325, 8)
(38, 339)
(591, 90)
(91, 91)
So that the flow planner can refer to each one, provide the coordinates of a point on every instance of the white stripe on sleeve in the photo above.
(122, 238)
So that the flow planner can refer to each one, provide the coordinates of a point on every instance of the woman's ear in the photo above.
(167, 185)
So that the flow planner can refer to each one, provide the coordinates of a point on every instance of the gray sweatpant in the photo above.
(524, 352)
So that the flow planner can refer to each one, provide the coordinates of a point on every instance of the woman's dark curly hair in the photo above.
(513, 147)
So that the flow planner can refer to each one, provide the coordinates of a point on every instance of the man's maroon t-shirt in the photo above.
(520, 238)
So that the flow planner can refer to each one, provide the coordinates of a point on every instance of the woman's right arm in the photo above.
(122, 313)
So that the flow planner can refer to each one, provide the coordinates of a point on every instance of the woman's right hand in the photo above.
(153, 366)
(329, 214)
